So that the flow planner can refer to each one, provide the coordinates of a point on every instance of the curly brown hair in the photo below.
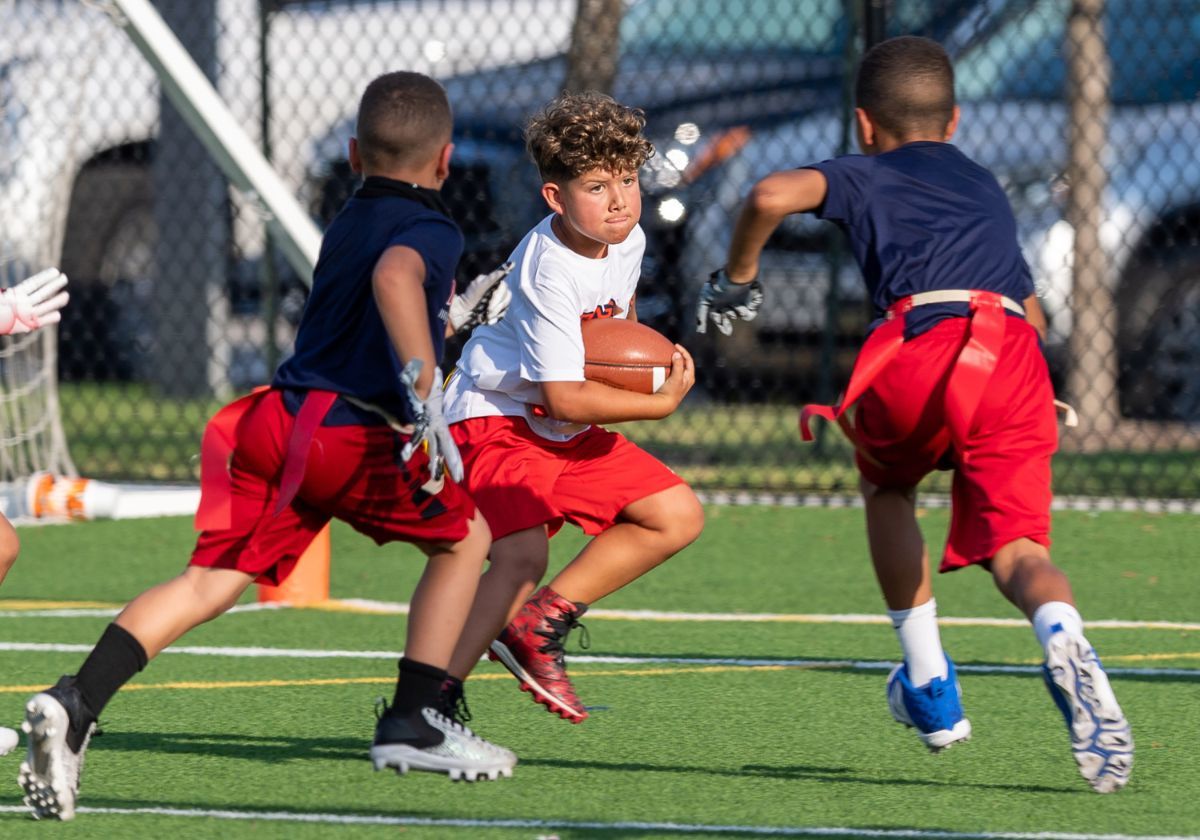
(578, 132)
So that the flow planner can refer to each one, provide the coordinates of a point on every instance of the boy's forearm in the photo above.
(400, 295)
(750, 233)
(595, 402)
(774, 197)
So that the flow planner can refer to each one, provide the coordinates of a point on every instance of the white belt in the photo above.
(959, 296)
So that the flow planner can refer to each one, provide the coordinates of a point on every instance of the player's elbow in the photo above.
(783, 193)
(769, 200)
(562, 400)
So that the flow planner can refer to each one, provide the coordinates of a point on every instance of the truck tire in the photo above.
(1158, 338)
(108, 252)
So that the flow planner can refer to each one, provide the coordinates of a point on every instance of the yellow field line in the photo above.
(1150, 657)
(194, 685)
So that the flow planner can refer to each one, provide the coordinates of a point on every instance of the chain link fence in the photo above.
(1086, 111)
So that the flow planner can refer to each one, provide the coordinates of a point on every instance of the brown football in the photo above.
(625, 354)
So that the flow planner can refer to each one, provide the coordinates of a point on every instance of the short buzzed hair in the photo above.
(906, 86)
(404, 119)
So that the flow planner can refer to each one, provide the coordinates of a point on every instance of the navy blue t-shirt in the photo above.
(342, 345)
(925, 217)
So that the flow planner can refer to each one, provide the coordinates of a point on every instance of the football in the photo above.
(625, 354)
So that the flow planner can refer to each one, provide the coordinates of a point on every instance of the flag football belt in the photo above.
(968, 377)
(215, 512)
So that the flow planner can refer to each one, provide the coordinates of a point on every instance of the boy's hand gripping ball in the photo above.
(625, 354)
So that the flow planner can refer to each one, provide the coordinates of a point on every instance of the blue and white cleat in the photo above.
(1100, 736)
(935, 709)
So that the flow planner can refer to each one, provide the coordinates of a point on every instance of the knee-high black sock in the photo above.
(112, 663)
(417, 686)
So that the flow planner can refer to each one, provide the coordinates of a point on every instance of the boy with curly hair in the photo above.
(529, 425)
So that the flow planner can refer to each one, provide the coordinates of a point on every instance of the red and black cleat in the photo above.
(531, 647)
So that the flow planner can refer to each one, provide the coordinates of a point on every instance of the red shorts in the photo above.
(1001, 488)
(520, 479)
(354, 473)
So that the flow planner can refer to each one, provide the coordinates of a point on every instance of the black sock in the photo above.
(417, 686)
(112, 663)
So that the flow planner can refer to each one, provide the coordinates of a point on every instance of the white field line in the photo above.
(1089, 504)
(585, 659)
(388, 607)
(102, 612)
(622, 826)
(366, 605)
(137, 501)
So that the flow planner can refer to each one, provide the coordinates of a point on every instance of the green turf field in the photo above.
(763, 716)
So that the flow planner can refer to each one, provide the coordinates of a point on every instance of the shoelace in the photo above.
(560, 627)
(382, 708)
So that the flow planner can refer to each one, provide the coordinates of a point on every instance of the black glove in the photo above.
(722, 301)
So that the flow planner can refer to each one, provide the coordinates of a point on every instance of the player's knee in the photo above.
(1023, 558)
(871, 491)
(10, 547)
(475, 545)
(522, 556)
(679, 516)
(212, 591)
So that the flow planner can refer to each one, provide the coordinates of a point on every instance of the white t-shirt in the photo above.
(539, 338)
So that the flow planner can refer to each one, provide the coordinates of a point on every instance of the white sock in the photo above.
(917, 630)
(1053, 617)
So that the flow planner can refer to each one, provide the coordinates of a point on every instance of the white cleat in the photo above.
(462, 754)
(53, 763)
(1101, 739)
(8, 740)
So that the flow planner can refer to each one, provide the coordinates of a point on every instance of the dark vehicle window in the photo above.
(1024, 57)
(718, 26)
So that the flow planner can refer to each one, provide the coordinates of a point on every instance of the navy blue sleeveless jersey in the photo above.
(925, 217)
(342, 345)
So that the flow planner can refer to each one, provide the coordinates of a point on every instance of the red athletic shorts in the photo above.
(1001, 489)
(520, 479)
(354, 473)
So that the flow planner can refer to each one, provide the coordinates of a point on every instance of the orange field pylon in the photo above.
(309, 581)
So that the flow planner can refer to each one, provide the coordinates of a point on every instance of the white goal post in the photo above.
(207, 115)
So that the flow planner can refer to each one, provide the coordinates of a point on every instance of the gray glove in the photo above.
(722, 301)
(429, 426)
(484, 301)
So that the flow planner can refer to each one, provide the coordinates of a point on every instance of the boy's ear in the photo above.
(952, 126)
(355, 157)
(553, 196)
(866, 130)
(443, 162)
